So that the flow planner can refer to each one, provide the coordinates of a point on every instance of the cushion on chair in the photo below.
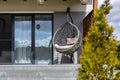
(71, 41)
(62, 47)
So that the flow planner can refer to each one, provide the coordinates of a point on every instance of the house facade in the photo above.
(26, 31)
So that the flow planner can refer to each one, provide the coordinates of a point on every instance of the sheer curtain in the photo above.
(22, 36)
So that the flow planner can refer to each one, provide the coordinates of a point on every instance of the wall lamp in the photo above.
(41, 1)
(83, 2)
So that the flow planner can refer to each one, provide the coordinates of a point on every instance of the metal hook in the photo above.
(69, 18)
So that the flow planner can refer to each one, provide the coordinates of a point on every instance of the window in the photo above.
(25, 39)
(5, 39)
(32, 36)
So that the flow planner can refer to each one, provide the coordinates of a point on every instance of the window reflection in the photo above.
(22, 39)
(43, 35)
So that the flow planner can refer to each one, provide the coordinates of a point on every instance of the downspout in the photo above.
(95, 6)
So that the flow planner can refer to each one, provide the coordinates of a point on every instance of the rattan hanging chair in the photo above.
(67, 38)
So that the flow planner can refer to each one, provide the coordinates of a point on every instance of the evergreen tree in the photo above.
(99, 54)
(118, 49)
(118, 56)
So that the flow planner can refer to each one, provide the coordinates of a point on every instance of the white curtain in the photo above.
(22, 39)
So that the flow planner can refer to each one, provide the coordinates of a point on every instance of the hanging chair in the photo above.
(67, 38)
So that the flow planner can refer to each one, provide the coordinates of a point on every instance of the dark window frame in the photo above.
(32, 36)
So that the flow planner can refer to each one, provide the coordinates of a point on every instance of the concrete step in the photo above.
(38, 72)
(35, 73)
(50, 78)
(14, 78)
(46, 78)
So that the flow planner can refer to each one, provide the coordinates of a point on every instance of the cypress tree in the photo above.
(99, 53)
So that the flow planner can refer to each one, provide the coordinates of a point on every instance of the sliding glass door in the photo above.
(22, 39)
(5, 39)
(43, 35)
(32, 37)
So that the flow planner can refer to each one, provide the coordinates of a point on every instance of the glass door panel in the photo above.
(22, 38)
(5, 39)
(43, 35)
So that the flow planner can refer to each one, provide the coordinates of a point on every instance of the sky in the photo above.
(114, 16)
(23, 34)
